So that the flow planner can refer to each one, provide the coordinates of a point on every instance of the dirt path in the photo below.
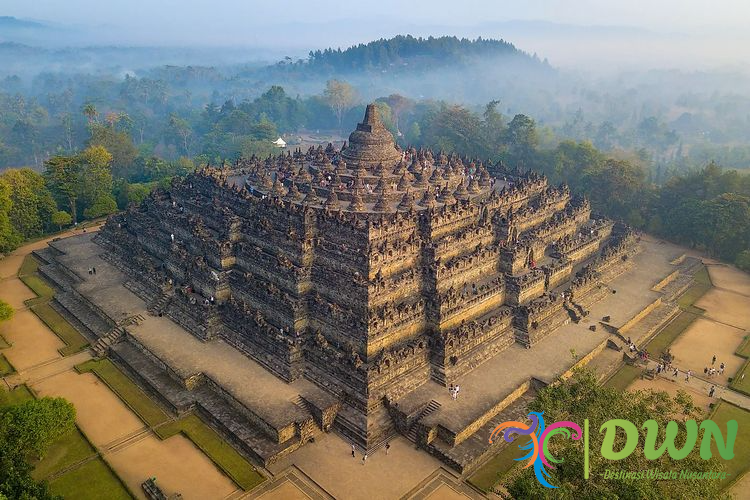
(118, 434)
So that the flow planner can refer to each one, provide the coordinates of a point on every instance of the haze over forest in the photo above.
(655, 95)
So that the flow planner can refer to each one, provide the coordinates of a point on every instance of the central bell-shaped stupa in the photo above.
(371, 143)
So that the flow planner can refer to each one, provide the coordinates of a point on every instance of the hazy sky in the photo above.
(687, 33)
(199, 15)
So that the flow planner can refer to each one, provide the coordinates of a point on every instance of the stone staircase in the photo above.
(474, 451)
(572, 312)
(157, 307)
(411, 434)
(99, 349)
(89, 318)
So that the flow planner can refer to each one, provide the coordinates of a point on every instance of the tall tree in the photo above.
(340, 96)
(522, 140)
(9, 237)
(32, 203)
(63, 176)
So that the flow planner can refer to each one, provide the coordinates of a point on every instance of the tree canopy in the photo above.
(26, 431)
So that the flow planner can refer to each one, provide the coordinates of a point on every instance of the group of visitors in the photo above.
(387, 447)
(453, 390)
(710, 372)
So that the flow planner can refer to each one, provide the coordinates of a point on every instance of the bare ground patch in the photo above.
(702, 340)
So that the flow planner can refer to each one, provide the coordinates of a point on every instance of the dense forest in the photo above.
(78, 145)
(410, 53)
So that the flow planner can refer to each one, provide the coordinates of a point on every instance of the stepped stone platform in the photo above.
(457, 431)
(267, 418)
(261, 414)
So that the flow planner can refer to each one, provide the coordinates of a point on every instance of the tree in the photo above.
(181, 128)
(61, 218)
(32, 203)
(9, 237)
(743, 260)
(63, 176)
(119, 145)
(85, 177)
(104, 204)
(26, 431)
(522, 140)
(89, 111)
(340, 96)
(398, 105)
(582, 398)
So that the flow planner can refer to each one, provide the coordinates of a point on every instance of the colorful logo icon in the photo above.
(540, 457)
(538, 453)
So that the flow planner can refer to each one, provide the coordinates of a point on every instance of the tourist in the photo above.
(705, 371)
(713, 360)
(90, 271)
(721, 369)
(364, 458)
(387, 447)
(688, 375)
(711, 391)
(450, 390)
(676, 372)
(94, 270)
(354, 452)
(456, 391)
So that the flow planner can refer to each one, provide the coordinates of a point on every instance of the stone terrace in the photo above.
(104, 290)
(247, 381)
(483, 389)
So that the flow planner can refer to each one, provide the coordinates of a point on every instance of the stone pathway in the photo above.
(700, 384)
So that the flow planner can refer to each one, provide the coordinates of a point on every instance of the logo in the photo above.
(540, 457)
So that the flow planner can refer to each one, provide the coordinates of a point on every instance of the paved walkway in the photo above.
(704, 386)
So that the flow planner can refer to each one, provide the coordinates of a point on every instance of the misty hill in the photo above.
(9, 22)
(408, 52)
(445, 67)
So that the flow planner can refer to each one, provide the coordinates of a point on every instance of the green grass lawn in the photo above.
(93, 481)
(493, 471)
(740, 464)
(138, 401)
(28, 273)
(5, 367)
(38, 286)
(702, 284)
(74, 341)
(626, 375)
(29, 266)
(18, 395)
(662, 340)
(218, 450)
(738, 383)
(68, 450)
